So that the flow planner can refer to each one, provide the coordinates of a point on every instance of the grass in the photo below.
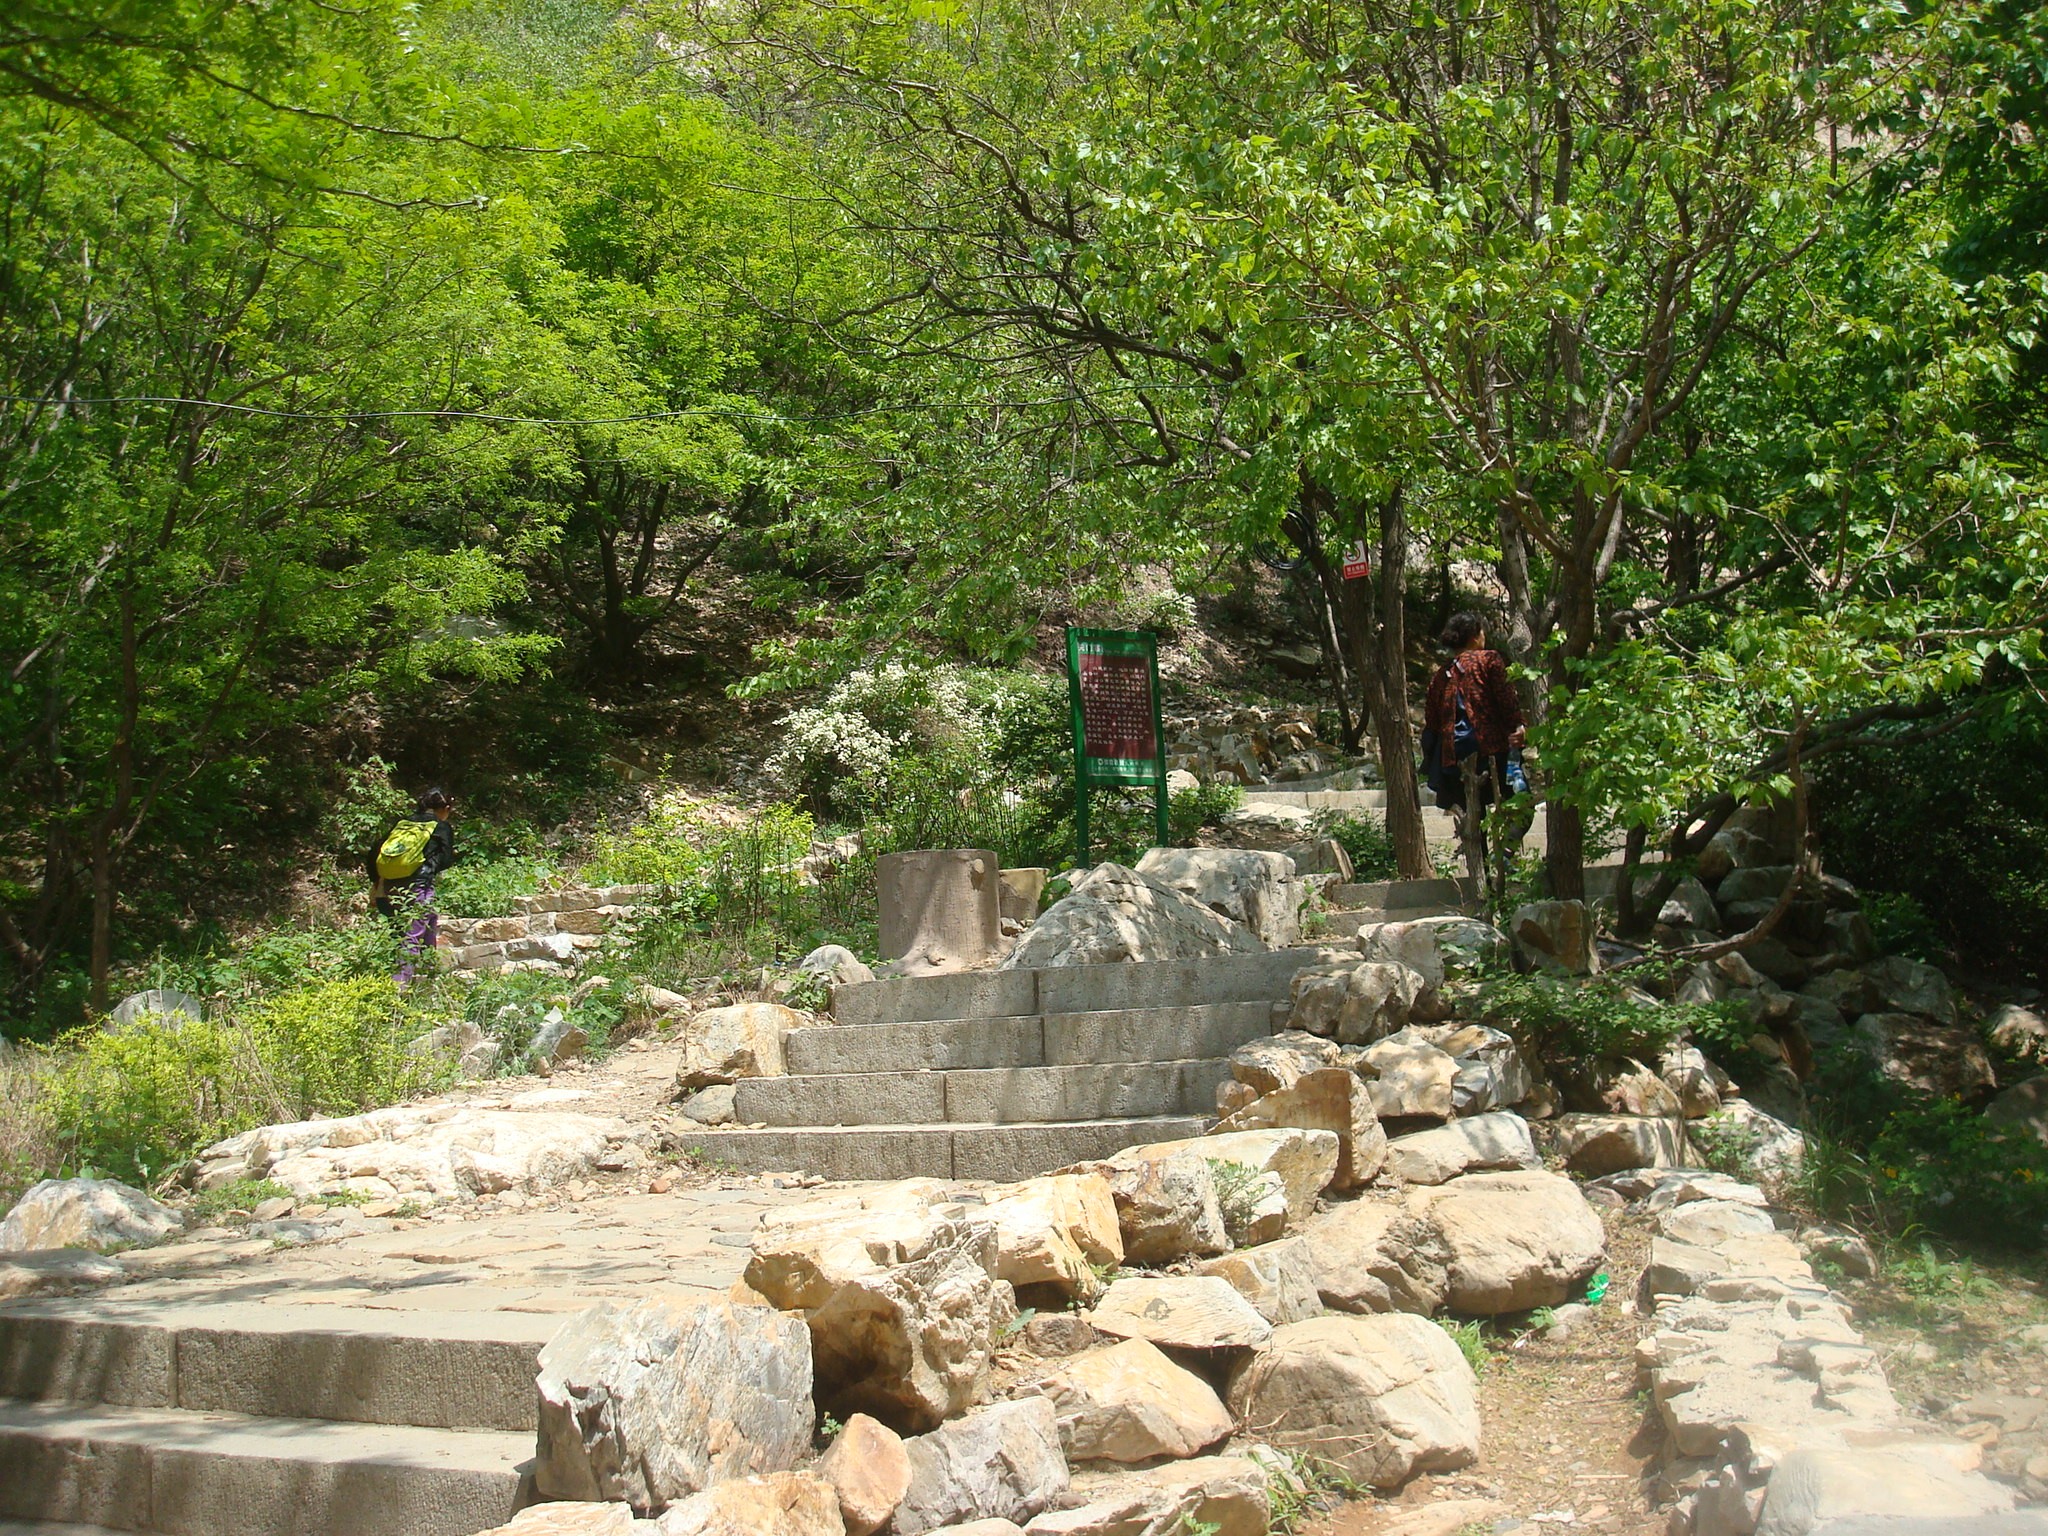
(1470, 1337)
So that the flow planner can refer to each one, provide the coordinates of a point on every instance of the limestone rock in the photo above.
(1278, 1279)
(1304, 1159)
(1754, 882)
(1907, 986)
(1812, 1487)
(2024, 1107)
(1378, 1256)
(569, 1517)
(1353, 1004)
(1227, 1495)
(1411, 1078)
(1050, 1230)
(1002, 1462)
(1274, 1062)
(1113, 914)
(869, 1469)
(1414, 945)
(1695, 1082)
(1690, 905)
(1556, 936)
(710, 1106)
(1166, 1206)
(1617, 1085)
(1597, 1144)
(557, 1040)
(96, 1214)
(2020, 1032)
(1180, 1312)
(1848, 934)
(1130, 1403)
(900, 1293)
(53, 1271)
(1945, 1061)
(780, 1504)
(1491, 1072)
(1381, 1398)
(158, 1007)
(835, 966)
(1844, 1248)
(1328, 1099)
(1516, 1240)
(1769, 1147)
(651, 1402)
(1255, 889)
(1484, 1141)
(723, 1045)
(1053, 1334)
(1707, 1223)
(1468, 944)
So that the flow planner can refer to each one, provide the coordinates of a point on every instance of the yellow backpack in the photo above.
(405, 850)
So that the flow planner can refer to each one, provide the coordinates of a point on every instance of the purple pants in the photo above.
(424, 932)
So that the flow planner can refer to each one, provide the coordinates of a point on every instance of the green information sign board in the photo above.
(1113, 686)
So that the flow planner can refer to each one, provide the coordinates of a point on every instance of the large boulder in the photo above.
(1491, 1072)
(158, 1006)
(1516, 1240)
(1378, 1256)
(869, 1469)
(1304, 1160)
(1113, 913)
(1131, 1403)
(1220, 1495)
(1616, 1085)
(1947, 1061)
(1826, 1488)
(1379, 1398)
(651, 1402)
(1556, 936)
(1597, 1144)
(779, 1504)
(1690, 905)
(1695, 1082)
(1166, 1203)
(98, 1214)
(1278, 1279)
(1410, 1077)
(1254, 889)
(999, 1463)
(1055, 1231)
(834, 965)
(1754, 882)
(1274, 1062)
(900, 1293)
(1353, 1003)
(1907, 986)
(2023, 1107)
(1329, 1099)
(1414, 945)
(1467, 943)
(1484, 1141)
(1180, 1312)
(2019, 1032)
(1770, 1148)
(723, 1045)
(569, 1518)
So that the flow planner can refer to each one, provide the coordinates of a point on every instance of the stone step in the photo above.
(1071, 989)
(1037, 1040)
(1310, 799)
(994, 1153)
(1400, 900)
(1119, 1090)
(171, 1473)
(51, 1528)
(428, 1370)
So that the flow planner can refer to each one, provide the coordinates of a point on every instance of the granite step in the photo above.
(1034, 1040)
(994, 1096)
(988, 1152)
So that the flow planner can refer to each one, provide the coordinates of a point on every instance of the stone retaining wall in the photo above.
(549, 930)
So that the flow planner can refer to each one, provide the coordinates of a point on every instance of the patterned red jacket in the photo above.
(1480, 678)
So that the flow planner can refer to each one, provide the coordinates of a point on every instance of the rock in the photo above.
(1255, 889)
(1690, 905)
(480, 1060)
(1491, 1072)
(1329, 1099)
(1778, 961)
(95, 1214)
(1278, 1279)
(1556, 936)
(448, 1040)
(710, 1106)
(1130, 1403)
(1378, 1256)
(1002, 1462)
(834, 965)
(983, 1528)
(1060, 1333)
(1166, 1205)
(1944, 1061)
(1467, 944)
(1304, 1160)
(649, 1003)
(1848, 934)
(2019, 1032)
(781, 1504)
(1485, 1141)
(1729, 849)
(158, 1007)
(900, 1293)
(652, 1402)
(1516, 1240)
(1050, 1230)
(1180, 1312)
(1380, 1398)
(53, 1271)
(1754, 882)
(557, 1040)
(1411, 1078)
(2024, 1107)
(1275, 1062)
(1222, 1495)
(723, 1045)
(1839, 1247)
(1597, 1144)
(1812, 1487)
(1709, 1223)
(1696, 1084)
(569, 1517)
(1907, 986)
(1113, 914)
(1446, 1517)
(1616, 1085)
(1353, 1003)
(1661, 1189)
(938, 910)
(869, 1469)
(1414, 945)
(1767, 1146)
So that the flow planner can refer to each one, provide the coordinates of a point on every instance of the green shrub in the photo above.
(359, 815)
(1555, 1020)
(134, 1104)
(339, 1047)
(488, 887)
(1365, 842)
(1901, 926)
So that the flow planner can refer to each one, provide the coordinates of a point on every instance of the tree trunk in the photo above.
(102, 918)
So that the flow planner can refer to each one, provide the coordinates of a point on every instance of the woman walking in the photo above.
(1472, 733)
(403, 871)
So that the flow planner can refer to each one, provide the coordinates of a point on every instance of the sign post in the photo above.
(1357, 561)
(1113, 686)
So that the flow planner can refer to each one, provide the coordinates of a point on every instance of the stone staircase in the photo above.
(254, 1419)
